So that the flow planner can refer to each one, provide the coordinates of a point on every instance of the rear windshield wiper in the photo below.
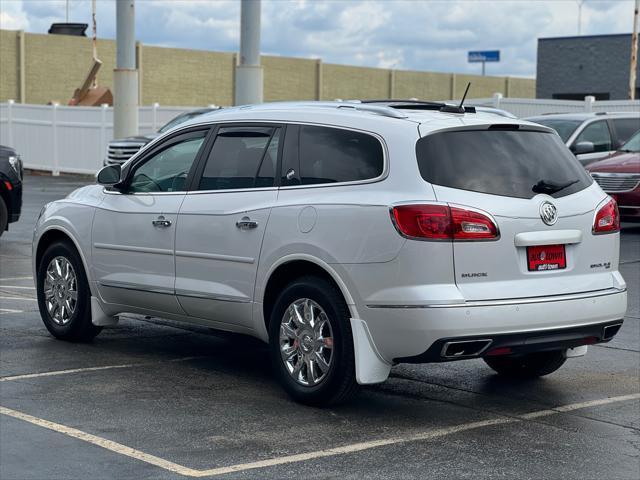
(548, 187)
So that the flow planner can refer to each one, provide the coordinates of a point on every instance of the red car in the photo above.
(619, 176)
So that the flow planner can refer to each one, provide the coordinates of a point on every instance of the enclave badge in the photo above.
(548, 213)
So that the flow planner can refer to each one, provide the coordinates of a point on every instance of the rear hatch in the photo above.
(518, 175)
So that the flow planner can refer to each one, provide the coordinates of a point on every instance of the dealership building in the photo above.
(571, 68)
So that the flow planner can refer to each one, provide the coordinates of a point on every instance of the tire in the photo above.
(4, 216)
(325, 385)
(530, 365)
(76, 325)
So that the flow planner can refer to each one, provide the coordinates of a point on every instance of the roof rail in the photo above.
(379, 110)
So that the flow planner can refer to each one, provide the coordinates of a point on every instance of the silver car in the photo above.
(592, 136)
(350, 237)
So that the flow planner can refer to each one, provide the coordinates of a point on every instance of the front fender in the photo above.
(74, 221)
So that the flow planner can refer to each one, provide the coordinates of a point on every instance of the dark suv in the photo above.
(11, 172)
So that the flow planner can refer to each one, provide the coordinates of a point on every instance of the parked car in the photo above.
(121, 150)
(592, 136)
(11, 174)
(349, 237)
(619, 176)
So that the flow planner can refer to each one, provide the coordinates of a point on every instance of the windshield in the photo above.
(183, 117)
(564, 127)
(633, 145)
(510, 163)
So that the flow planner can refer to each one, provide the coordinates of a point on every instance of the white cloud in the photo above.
(411, 34)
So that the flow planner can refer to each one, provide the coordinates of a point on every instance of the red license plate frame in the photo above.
(544, 258)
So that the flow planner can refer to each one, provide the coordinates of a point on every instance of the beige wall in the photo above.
(9, 65)
(55, 65)
(341, 81)
(172, 76)
(423, 85)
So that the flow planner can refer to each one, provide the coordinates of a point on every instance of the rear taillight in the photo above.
(607, 219)
(442, 222)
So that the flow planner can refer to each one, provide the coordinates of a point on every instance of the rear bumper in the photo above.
(461, 348)
(400, 333)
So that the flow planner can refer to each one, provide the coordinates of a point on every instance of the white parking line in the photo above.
(19, 298)
(4, 311)
(352, 448)
(92, 369)
(16, 278)
(101, 442)
(17, 286)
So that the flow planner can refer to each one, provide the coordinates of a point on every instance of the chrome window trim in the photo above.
(510, 301)
(382, 176)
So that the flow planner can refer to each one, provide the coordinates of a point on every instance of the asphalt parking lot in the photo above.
(151, 399)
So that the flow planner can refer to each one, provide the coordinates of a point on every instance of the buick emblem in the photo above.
(548, 213)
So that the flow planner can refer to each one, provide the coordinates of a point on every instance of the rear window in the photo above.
(509, 163)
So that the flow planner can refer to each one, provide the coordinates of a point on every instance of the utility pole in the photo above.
(633, 65)
(125, 75)
(580, 2)
(249, 75)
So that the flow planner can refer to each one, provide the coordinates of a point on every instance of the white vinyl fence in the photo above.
(529, 107)
(58, 138)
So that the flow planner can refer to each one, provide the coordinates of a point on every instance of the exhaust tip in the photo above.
(465, 348)
(610, 331)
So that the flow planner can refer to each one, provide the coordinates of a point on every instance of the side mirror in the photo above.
(583, 147)
(109, 175)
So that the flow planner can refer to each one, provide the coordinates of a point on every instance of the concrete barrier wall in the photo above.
(55, 65)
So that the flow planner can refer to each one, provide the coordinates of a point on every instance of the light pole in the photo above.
(125, 75)
(249, 76)
(633, 65)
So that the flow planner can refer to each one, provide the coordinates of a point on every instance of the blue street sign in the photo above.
(484, 56)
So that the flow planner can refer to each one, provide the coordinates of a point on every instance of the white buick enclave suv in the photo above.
(350, 237)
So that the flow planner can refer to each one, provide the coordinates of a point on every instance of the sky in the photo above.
(432, 35)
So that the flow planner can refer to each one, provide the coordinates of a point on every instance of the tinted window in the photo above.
(236, 157)
(598, 134)
(267, 173)
(330, 155)
(633, 145)
(509, 163)
(564, 127)
(167, 170)
(625, 128)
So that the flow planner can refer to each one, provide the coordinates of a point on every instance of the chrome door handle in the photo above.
(245, 223)
(161, 222)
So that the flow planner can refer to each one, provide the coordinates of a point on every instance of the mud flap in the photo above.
(98, 317)
(370, 367)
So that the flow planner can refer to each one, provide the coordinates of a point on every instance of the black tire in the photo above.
(339, 383)
(79, 327)
(4, 216)
(530, 365)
